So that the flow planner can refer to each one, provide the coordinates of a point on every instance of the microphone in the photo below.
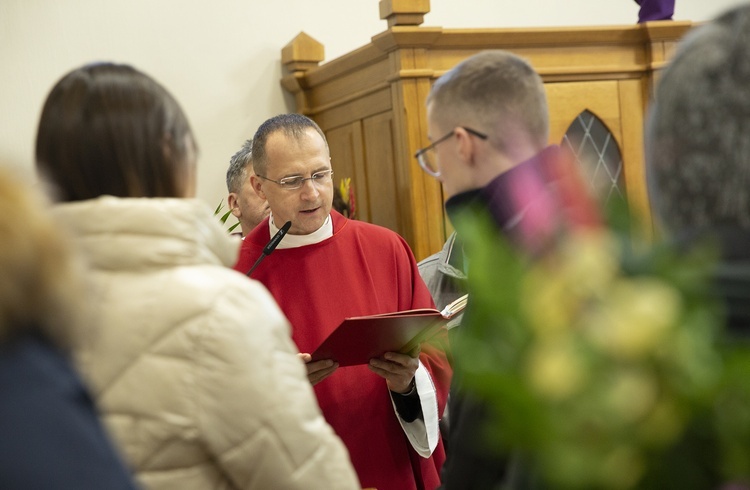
(272, 244)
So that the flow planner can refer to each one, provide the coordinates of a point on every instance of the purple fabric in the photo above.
(655, 10)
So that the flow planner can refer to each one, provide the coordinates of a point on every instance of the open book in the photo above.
(358, 339)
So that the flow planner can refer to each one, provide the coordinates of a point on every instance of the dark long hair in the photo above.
(111, 129)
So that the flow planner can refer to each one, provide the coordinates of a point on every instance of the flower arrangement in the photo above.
(604, 363)
(343, 198)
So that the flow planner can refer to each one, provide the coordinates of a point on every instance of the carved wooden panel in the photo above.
(370, 103)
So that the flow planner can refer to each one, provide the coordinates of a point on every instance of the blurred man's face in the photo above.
(247, 206)
(446, 156)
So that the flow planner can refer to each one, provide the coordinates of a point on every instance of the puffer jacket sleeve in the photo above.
(256, 409)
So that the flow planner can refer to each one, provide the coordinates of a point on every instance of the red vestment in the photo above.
(362, 269)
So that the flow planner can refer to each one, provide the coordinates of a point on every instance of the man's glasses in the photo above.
(426, 156)
(295, 182)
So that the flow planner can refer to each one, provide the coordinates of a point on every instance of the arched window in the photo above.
(596, 150)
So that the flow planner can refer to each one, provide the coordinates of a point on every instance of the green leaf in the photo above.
(224, 217)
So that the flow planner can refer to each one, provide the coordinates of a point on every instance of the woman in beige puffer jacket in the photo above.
(191, 363)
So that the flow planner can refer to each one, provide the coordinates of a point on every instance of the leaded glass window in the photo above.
(596, 150)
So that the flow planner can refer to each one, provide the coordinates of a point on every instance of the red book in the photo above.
(358, 339)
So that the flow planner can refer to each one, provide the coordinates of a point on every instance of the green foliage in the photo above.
(604, 361)
(224, 217)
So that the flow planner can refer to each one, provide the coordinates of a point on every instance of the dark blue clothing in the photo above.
(731, 276)
(50, 434)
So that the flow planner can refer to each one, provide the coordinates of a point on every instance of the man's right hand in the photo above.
(317, 371)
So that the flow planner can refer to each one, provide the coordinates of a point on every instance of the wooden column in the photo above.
(404, 12)
(303, 53)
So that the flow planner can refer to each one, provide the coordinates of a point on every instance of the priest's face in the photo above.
(287, 157)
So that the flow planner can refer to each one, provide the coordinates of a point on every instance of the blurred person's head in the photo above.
(485, 115)
(698, 131)
(110, 129)
(39, 282)
(246, 205)
(293, 172)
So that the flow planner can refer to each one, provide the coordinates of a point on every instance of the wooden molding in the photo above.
(505, 38)
(666, 30)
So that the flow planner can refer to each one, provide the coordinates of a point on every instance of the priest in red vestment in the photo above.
(328, 268)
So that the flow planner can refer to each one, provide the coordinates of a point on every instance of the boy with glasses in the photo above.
(489, 120)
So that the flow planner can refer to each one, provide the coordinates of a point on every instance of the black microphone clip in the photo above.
(272, 244)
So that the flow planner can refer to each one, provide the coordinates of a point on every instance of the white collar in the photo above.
(294, 241)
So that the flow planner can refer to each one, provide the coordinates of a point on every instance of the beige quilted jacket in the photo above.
(191, 363)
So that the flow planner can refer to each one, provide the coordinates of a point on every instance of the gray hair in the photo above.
(698, 130)
(237, 172)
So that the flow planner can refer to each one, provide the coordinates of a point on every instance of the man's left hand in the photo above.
(397, 369)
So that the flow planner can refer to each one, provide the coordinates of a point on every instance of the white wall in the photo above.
(221, 58)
